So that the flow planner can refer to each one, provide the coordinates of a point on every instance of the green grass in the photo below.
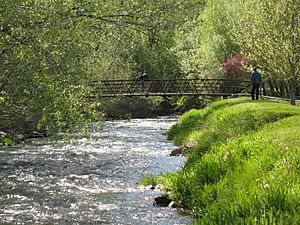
(245, 166)
(149, 179)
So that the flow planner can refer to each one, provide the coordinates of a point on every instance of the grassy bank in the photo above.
(245, 164)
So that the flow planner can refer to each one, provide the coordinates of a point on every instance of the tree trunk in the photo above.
(293, 91)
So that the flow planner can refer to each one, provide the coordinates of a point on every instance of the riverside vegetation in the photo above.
(244, 166)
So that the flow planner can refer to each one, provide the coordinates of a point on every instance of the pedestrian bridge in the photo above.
(173, 87)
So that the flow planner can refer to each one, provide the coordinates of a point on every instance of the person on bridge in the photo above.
(256, 81)
(142, 82)
(146, 81)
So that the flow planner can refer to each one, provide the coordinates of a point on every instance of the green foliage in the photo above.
(273, 32)
(244, 168)
(5, 141)
(205, 42)
(149, 179)
(186, 46)
(42, 78)
(51, 50)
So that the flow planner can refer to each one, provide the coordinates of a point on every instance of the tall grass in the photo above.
(245, 166)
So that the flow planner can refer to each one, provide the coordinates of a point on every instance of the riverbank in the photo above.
(244, 166)
(149, 107)
(112, 109)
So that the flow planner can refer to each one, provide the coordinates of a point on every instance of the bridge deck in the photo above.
(149, 94)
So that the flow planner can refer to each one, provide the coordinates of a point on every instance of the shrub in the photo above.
(235, 66)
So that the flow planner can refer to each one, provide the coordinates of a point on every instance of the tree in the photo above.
(270, 35)
(143, 32)
(51, 50)
(42, 75)
(204, 43)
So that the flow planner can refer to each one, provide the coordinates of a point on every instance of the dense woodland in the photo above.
(50, 51)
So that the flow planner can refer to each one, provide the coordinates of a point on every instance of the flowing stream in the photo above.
(95, 181)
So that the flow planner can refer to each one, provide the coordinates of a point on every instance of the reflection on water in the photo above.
(95, 181)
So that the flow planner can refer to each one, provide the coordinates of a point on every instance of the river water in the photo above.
(95, 181)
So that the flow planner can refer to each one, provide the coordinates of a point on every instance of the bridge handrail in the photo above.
(180, 79)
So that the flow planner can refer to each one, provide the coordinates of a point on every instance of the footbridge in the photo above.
(172, 87)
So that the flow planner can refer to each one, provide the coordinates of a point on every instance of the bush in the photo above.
(235, 66)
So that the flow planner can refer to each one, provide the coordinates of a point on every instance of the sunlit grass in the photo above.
(149, 179)
(245, 168)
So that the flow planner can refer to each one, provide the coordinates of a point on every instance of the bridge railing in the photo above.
(279, 88)
(158, 87)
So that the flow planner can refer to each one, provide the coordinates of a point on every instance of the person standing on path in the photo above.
(256, 81)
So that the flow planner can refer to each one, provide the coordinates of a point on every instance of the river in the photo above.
(94, 181)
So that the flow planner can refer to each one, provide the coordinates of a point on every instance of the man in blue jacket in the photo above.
(256, 81)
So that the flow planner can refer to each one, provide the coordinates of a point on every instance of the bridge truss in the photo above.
(174, 87)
